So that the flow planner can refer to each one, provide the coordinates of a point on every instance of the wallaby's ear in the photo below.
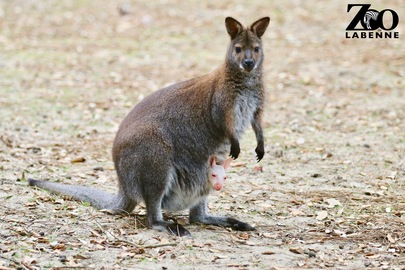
(212, 161)
(260, 26)
(233, 27)
(227, 162)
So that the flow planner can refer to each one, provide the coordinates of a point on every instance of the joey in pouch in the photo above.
(217, 174)
(162, 149)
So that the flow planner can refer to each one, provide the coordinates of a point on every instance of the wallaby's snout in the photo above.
(248, 64)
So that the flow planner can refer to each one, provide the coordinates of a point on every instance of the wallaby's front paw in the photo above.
(259, 152)
(235, 150)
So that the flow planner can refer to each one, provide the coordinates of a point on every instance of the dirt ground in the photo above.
(330, 191)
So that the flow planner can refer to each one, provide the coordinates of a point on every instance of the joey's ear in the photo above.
(212, 161)
(260, 26)
(233, 27)
(227, 162)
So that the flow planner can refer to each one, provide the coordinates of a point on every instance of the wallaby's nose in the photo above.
(248, 64)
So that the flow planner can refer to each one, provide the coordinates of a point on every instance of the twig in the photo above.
(29, 267)
(131, 243)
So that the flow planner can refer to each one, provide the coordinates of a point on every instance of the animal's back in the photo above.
(158, 133)
(180, 114)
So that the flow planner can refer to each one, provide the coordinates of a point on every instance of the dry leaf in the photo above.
(220, 256)
(392, 175)
(234, 265)
(258, 168)
(390, 238)
(332, 202)
(78, 160)
(20, 231)
(297, 202)
(126, 255)
(43, 240)
(243, 236)
(321, 215)
(55, 245)
(270, 235)
(296, 212)
(339, 233)
(250, 243)
(369, 192)
(199, 245)
(372, 255)
(238, 164)
(296, 250)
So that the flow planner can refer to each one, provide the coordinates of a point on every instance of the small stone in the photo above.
(62, 258)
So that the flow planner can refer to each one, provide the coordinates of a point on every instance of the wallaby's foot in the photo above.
(178, 230)
(239, 225)
(171, 227)
(232, 223)
(198, 214)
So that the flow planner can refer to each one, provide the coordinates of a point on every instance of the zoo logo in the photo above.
(371, 19)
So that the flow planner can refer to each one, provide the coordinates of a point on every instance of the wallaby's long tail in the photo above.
(97, 198)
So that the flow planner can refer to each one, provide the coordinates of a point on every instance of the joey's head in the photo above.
(245, 49)
(217, 174)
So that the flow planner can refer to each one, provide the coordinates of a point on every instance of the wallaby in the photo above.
(162, 146)
(217, 174)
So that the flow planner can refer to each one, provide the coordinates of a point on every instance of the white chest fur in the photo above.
(245, 106)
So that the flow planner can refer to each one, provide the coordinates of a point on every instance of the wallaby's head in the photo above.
(245, 49)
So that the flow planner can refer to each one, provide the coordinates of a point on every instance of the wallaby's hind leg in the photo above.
(155, 218)
(156, 222)
(144, 170)
(199, 214)
(156, 181)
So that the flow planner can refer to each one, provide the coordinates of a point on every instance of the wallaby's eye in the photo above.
(257, 49)
(238, 49)
(214, 175)
(224, 177)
